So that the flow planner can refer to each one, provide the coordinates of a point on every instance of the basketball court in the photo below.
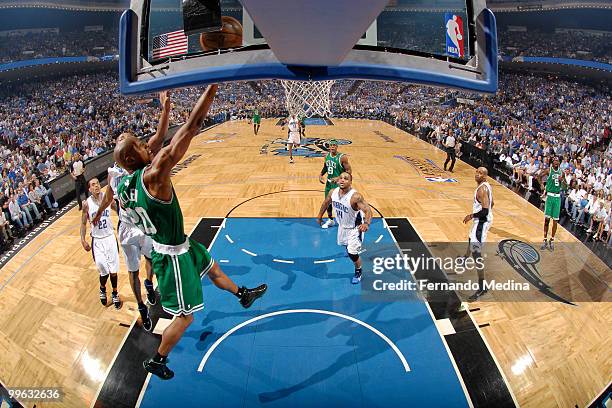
(315, 339)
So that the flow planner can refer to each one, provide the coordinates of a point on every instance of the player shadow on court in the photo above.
(304, 265)
(349, 305)
(363, 350)
(308, 222)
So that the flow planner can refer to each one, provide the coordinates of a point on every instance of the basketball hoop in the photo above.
(308, 98)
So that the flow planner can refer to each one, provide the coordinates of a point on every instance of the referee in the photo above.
(77, 172)
(449, 144)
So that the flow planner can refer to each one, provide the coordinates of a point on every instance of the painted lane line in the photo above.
(378, 240)
(313, 311)
(248, 252)
(223, 260)
(325, 261)
(283, 261)
(229, 239)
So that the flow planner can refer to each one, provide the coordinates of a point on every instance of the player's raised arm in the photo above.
(106, 200)
(346, 165)
(170, 155)
(157, 140)
(324, 206)
(84, 218)
(359, 203)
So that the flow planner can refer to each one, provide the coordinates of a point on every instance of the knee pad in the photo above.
(354, 257)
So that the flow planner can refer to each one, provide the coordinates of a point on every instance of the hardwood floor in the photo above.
(54, 331)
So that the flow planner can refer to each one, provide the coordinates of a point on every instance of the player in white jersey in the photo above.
(353, 214)
(133, 241)
(134, 244)
(482, 216)
(294, 135)
(103, 241)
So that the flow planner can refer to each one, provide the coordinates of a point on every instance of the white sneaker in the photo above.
(329, 223)
(291, 160)
(589, 230)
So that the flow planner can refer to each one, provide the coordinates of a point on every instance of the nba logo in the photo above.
(454, 35)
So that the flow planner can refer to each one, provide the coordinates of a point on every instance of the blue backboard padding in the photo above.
(347, 70)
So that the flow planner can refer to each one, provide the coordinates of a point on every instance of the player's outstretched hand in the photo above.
(164, 99)
(363, 227)
(322, 179)
(467, 218)
(86, 246)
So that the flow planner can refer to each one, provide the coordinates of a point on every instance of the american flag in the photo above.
(165, 45)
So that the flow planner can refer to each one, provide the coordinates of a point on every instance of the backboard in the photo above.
(450, 43)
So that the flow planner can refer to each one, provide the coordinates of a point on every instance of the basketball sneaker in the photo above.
(357, 278)
(291, 160)
(151, 297)
(248, 296)
(116, 301)
(329, 223)
(159, 369)
(551, 245)
(147, 324)
(544, 244)
(103, 296)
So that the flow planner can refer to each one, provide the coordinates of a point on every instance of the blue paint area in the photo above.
(304, 359)
(315, 122)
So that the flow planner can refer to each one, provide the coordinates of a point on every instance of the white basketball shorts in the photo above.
(105, 254)
(134, 244)
(478, 234)
(294, 138)
(351, 238)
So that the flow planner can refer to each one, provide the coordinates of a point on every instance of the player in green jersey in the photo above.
(302, 120)
(335, 164)
(256, 121)
(148, 197)
(552, 208)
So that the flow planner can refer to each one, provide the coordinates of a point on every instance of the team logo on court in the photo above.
(427, 169)
(310, 147)
(524, 259)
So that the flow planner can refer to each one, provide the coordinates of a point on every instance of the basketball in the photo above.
(230, 35)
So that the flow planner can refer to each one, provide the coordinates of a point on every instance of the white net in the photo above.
(308, 98)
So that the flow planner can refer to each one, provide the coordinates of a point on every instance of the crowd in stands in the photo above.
(519, 129)
(574, 44)
(61, 44)
(423, 34)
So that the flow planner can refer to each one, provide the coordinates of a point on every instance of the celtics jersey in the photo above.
(334, 166)
(553, 183)
(161, 220)
(256, 117)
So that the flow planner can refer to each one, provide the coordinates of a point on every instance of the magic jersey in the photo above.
(346, 216)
